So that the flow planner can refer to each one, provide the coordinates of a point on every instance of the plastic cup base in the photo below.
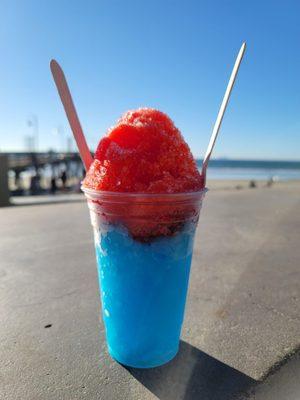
(163, 360)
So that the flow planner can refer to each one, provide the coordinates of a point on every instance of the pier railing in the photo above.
(20, 162)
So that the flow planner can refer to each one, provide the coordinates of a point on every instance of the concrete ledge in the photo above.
(242, 314)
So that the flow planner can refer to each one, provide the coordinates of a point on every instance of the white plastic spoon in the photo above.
(222, 111)
(70, 110)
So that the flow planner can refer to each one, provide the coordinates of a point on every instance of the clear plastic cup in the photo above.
(144, 246)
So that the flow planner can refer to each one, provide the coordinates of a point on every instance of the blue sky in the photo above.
(172, 55)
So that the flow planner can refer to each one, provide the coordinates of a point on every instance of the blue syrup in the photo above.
(143, 292)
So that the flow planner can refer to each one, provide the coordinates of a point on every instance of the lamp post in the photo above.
(33, 123)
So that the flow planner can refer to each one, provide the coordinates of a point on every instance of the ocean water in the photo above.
(252, 170)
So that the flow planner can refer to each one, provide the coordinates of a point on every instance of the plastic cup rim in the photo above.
(100, 193)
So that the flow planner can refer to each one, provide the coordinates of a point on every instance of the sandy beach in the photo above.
(245, 184)
(212, 185)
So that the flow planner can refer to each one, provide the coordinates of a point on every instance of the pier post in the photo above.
(4, 192)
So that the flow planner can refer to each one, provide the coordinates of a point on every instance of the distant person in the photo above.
(18, 180)
(80, 177)
(63, 178)
(53, 187)
(270, 182)
(34, 185)
(38, 181)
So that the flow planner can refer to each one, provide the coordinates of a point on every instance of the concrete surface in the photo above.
(283, 385)
(242, 315)
(46, 199)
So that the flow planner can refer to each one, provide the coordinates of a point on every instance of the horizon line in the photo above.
(225, 158)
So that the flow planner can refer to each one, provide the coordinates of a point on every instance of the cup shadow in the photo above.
(192, 375)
